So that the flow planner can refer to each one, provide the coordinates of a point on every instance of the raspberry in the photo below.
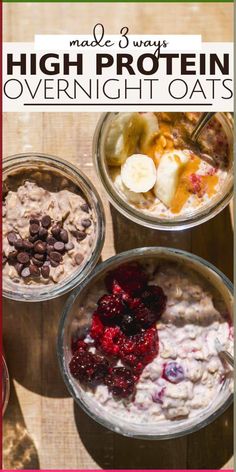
(117, 290)
(110, 307)
(155, 299)
(130, 277)
(140, 349)
(110, 342)
(173, 372)
(78, 345)
(120, 382)
(88, 368)
(97, 328)
(196, 185)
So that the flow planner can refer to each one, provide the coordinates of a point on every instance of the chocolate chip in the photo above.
(25, 272)
(75, 233)
(12, 238)
(55, 256)
(56, 230)
(12, 257)
(79, 258)
(46, 221)
(19, 244)
(43, 233)
(34, 221)
(50, 248)
(34, 238)
(59, 246)
(19, 268)
(40, 247)
(39, 257)
(37, 262)
(81, 236)
(51, 240)
(69, 246)
(23, 257)
(45, 271)
(64, 235)
(54, 263)
(34, 229)
(85, 207)
(34, 271)
(86, 222)
(27, 245)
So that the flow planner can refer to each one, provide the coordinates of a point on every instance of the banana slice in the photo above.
(122, 137)
(149, 132)
(132, 197)
(168, 173)
(138, 173)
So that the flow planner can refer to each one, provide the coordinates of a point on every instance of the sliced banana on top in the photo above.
(132, 197)
(138, 173)
(149, 132)
(122, 137)
(168, 174)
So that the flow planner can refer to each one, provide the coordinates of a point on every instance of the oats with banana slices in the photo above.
(156, 169)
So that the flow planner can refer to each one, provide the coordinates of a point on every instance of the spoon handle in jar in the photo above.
(224, 354)
(205, 118)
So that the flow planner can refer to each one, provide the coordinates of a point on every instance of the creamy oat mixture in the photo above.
(32, 201)
(184, 178)
(194, 317)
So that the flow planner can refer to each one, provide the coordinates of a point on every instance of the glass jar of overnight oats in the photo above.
(53, 227)
(155, 176)
(136, 343)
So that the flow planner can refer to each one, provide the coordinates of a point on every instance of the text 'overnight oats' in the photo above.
(156, 169)
(148, 353)
(46, 235)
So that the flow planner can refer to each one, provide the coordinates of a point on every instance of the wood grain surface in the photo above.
(43, 427)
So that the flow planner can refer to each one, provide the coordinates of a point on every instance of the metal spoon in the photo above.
(202, 122)
(224, 354)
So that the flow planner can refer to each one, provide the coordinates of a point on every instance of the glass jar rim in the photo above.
(136, 215)
(121, 258)
(48, 292)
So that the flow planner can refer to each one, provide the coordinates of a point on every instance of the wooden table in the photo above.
(43, 427)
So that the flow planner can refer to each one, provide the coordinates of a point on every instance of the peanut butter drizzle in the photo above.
(208, 184)
(164, 143)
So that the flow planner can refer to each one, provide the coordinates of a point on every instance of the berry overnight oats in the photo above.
(143, 344)
(47, 235)
(156, 169)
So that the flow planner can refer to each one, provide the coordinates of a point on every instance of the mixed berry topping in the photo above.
(129, 277)
(120, 382)
(110, 308)
(45, 246)
(123, 330)
(88, 367)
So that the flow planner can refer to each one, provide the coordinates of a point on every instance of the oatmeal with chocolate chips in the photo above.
(46, 235)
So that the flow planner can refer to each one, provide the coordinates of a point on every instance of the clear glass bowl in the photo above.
(5, 386)
(194, 218)
(74, 315)
(29, 164)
